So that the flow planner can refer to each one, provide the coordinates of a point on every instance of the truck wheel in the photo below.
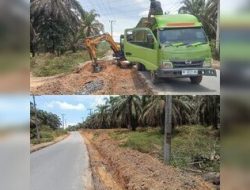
(140, 67)
(196, 80)
(154, 78)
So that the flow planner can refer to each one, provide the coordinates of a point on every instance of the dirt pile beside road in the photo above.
(138, 171)
(102, 178)
(111, 80)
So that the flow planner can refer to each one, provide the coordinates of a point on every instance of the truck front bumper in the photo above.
(185, 72)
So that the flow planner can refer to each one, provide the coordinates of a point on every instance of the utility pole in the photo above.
(90, 112)
(218, 29)
(63, 119)
(37, 128)
(168, 129)
(111, 27)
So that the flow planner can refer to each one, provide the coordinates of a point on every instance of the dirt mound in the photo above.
(111, 80)
(138, 171)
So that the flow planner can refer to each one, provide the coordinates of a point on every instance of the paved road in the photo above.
(182, 86)
(14, 161)
(62, 166)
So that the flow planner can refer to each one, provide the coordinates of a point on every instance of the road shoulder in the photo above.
(34, 148)
(132, 169)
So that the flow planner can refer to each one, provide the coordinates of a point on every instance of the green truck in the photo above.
(169, 46)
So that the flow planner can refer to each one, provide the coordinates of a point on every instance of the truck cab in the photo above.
(170, 46)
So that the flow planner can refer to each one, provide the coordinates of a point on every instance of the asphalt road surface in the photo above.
(210, 85)
(14, 161)
(62, 166)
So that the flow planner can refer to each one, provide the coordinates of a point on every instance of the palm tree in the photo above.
(90, 25)
(53, 20)
(154, 111)
(208, 109)
(102, 116)
(206, 11)
(128, 108)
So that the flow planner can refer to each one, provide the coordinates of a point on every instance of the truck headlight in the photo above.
(166, 65)
(207, 63)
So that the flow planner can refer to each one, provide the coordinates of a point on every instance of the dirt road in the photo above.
(111, 80)
(121, 81)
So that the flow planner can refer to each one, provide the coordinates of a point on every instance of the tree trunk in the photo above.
(73, 48)
(33, 53)
(218, 30)
(168, 129)
(129, 117)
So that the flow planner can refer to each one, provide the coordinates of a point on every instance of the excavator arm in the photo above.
(92, 42)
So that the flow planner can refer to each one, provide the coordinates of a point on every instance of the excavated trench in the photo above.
(118, 168)
(111, 80)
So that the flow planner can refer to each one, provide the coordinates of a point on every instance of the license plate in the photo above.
(189, 72)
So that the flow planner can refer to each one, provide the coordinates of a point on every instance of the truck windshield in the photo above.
(186, 36)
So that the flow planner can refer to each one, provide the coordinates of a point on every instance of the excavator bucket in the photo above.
(96, 67)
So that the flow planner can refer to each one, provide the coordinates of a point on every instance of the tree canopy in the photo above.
(142, 111)
(206, 11)
(44, 119)
(58, 25)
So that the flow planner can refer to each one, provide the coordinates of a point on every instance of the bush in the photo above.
(193, 146)
(47, 135)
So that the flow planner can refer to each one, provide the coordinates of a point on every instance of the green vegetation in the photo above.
(146, 141)
(195, 147)
(47, 134)
(49, 64)
(48, 126)
(57, 34)
(56, 28)
(135, 111)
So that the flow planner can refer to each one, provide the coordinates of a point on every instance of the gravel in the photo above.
(92, 87)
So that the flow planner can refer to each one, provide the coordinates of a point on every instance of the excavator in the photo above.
(91, 45)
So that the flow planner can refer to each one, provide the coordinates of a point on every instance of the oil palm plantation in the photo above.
(102, 115)
(128, 109)
(208, 110)
(53, 20)
(154, 111)
(91, 26)
(206, 11)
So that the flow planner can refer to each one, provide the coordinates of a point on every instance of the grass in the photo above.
(48, 64)
(48, 135)
(193, 146)
(143, 141)
(189, 143)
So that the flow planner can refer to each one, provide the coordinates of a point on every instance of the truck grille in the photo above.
(181, 64)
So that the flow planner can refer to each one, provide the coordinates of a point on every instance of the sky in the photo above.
(14, 110)
(75, 108)
(125, 13)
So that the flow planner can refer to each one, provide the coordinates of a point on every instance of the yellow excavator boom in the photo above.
(92, 42)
